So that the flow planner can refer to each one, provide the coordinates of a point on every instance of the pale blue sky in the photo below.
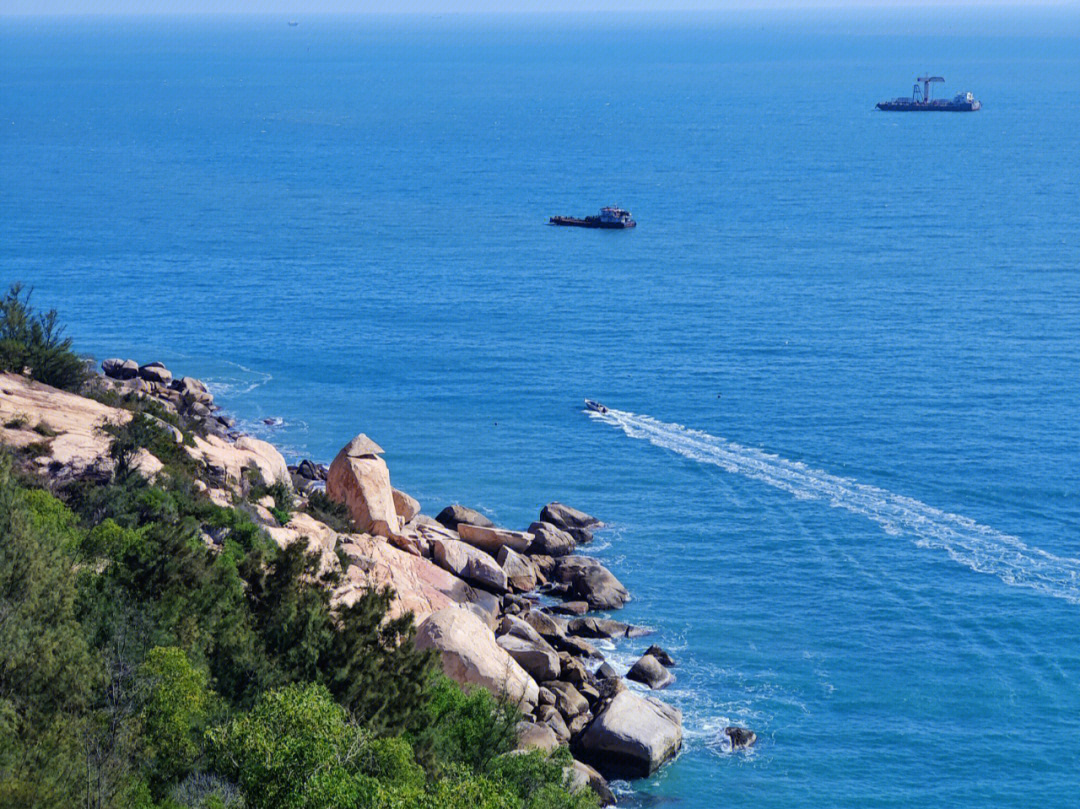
(298, 8)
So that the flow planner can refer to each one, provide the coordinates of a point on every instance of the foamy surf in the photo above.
(976, 546)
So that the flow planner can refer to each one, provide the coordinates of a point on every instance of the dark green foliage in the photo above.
(35, 340)
(330, 512)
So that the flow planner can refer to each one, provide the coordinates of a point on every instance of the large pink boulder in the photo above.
(471, 657)
(358, 477)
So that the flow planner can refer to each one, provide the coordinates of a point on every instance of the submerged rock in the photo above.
(741, 738)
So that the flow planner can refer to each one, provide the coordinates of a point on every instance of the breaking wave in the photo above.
(976, 546)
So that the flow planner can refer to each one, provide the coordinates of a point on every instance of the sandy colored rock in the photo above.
(533, 736)
(232, 459)
(80, 443)
(470, 655)
(419, 585)
(362, 483)
(490, 540)
(407, 507)
(453, 516)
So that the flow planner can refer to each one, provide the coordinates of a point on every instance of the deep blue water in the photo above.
(868, 551)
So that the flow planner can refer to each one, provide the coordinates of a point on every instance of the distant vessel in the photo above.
(611, 218)
(595, 406)
(293, 23)
(921, 101)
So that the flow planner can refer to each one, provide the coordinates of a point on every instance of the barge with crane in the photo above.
(922, 99)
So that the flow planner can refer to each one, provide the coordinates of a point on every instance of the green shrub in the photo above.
(295, 749)
(331, 513)
(177, 706)
(34, 340)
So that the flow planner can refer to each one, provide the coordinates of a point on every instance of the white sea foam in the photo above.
(976, 546)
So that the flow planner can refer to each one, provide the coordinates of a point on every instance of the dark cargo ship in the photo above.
(610, 218)
(921, 100)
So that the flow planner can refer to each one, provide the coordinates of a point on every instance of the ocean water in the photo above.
(842, 349)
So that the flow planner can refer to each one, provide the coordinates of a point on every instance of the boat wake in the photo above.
(975, 546)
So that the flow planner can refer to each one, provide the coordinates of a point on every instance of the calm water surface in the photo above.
(843, 346)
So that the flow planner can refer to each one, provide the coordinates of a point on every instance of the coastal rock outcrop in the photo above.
(549, 540)
(419, 585)
(580, 775)
(359, 478)
(491, 540)
(469, 563)
(453, 516)
(632, 736)
(576, 523)
(592, 582)
(649, 671)
(519, 571)
(470, 655)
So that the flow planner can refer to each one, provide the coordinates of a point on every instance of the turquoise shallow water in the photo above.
(842, 478)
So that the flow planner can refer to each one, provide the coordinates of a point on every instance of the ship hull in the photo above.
(914, 106)
(590, 222)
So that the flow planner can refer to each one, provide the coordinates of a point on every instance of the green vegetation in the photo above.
(34, 340)
(158, 651)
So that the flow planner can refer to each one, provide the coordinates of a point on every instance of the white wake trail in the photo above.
(976, 546)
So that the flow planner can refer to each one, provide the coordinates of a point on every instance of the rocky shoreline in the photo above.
(504, 609)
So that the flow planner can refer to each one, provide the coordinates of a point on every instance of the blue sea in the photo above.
(841, 471)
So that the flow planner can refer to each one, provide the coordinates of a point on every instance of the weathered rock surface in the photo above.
(740, 738)
(537, 658)
(407, 507)
(469, 563)
(533, 736)
(155, 372)
(519, 570)
(358, 477)
(491, 540)
(632, 736)
(648, 670)
(453, 516)
(116, 368)
(567, 698)
(419, 586)
(574, 522)
(230, 460)
(580, 775)
(80, 443)
(591, 581)
(549, 540)
(604, 628)
(470, 655)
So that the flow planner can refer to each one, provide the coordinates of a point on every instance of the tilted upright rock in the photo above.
(359, 478)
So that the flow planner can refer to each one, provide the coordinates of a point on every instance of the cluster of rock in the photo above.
(186, 397)
(504, 627)
(505, 610)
